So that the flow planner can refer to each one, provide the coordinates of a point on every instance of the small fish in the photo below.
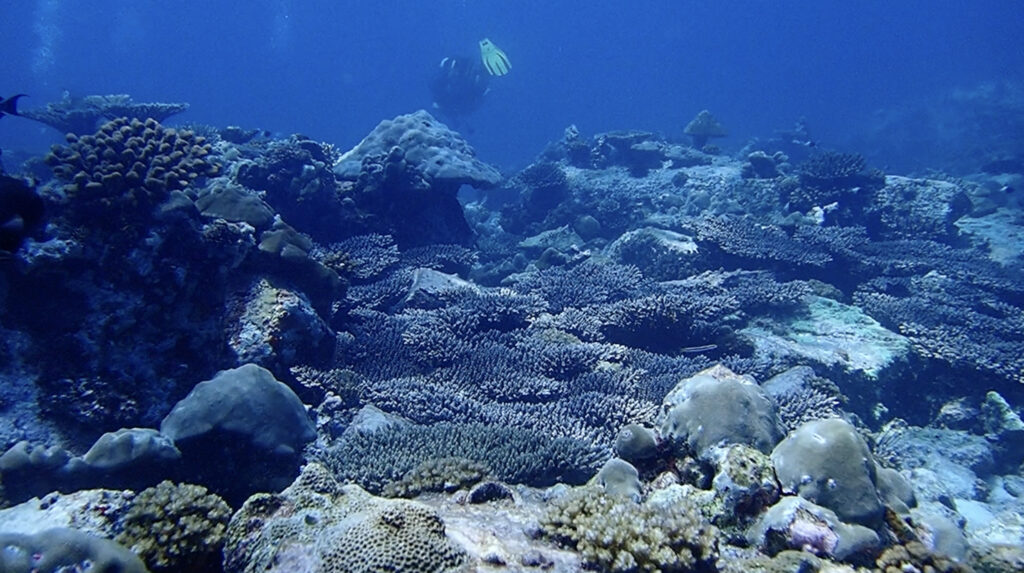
(1006, 189)
(695, 349)
(9, 106)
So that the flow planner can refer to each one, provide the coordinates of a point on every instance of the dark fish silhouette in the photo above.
(9, 106)
(21, 211)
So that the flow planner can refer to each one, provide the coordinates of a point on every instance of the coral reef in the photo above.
(635, 443)
(515, 455)
(744, 484)
(602, 317)
(296, 176)
(21, 212)
(405, 175)
(952, 316)
(442, 474)
(838, 181)
(760, 165)
(361, 258)
(795, 523)
(746, 239)
(587, 284)
(121, 207)
(915, 557)
(828, 463)
(545, 186)
(224, 199)
(619, 478)
(717, 407)
(801, 396)
(278, 328)
(443, 157)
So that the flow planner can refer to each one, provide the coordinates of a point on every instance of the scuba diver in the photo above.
(460, 83)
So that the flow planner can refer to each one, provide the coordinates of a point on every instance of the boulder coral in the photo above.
(703, 127)
(63, 549)
(254, 425)
(716, 407)
(404, 177)
(828, 463)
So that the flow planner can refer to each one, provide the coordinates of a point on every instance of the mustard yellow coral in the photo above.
(613, 533)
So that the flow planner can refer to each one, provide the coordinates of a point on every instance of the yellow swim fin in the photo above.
(494, 59)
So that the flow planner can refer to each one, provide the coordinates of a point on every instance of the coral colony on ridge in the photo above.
(226, 350)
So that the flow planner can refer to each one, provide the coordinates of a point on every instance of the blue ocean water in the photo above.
(332, 70)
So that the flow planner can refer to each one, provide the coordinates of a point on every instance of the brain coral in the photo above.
(392, 536)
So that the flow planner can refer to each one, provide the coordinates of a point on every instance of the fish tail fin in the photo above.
(10, 105)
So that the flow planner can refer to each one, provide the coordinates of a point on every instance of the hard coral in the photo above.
(116, 177)
(914, 556)
(832, 169)
(703, 127)
(832, 177)
(544, 187)
(402, 537)
(176, 527)
(80, 115)
(444, 474)
(296, 175)
(742, 240)
(514, 454)
(316, 524)
(441, 155)
(64, 549)
(615, 534)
